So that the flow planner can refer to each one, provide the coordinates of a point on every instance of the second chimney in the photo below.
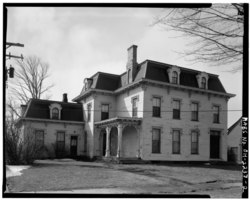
(65, 98)
(23, 109)
(132, 63)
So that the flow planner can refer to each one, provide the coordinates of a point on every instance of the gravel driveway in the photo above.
(67, 175)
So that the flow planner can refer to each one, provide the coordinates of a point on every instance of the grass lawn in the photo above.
(147, 178)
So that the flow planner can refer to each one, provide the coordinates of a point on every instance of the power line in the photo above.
(98, 110)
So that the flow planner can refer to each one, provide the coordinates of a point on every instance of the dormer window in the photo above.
(203, 83)
(87, 83)
(55, 111)
(174, 77)
(202, 79)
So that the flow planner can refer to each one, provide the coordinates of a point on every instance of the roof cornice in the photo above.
(189, 88)
(50, 120)
(152, 82)
(91, 91)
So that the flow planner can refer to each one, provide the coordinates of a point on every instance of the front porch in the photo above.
(118, 139)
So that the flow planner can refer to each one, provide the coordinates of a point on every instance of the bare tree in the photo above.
(30, 78)
(217, 32)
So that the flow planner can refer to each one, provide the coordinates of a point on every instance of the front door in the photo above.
(214, 144)
(73, 146)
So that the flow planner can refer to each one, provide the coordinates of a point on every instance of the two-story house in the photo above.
(155, 111)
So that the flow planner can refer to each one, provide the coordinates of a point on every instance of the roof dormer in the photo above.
(55, 111)
(202, 79)
(174, 75)
(87, 83)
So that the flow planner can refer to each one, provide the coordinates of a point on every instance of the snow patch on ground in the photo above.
(15, 170)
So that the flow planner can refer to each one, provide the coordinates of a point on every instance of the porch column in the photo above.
(108, 129)
(119, 146)
(138, 128)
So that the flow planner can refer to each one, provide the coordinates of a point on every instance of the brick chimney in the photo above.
(65, 98)
(132, 63)
(23, 109)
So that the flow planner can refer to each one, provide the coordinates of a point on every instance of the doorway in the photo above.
(73, 146)
(215, 144)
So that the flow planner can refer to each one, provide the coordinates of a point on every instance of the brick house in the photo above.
(152, 111)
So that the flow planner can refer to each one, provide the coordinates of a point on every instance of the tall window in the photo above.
(216, 114)
(89, 112)
(39, 138)
(194, 142)
(55, 113)
(156, 107)
(105, 112)
(203, 83)
(60, 141)
(176, 142)
(176, 109)
(174, 77)
(134, 107)
(156, 140)
(194, 111)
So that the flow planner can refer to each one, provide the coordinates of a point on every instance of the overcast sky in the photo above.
(78, 42)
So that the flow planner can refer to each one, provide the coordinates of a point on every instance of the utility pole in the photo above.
(11, 69)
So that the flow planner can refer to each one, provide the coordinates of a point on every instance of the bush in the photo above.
(21, 150)
(13, 147)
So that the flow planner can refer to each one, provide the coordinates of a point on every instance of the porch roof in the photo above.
(119, 120)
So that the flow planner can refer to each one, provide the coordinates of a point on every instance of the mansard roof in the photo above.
(38, 108)
(155, 71)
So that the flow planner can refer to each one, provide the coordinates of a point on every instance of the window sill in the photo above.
(157, 116)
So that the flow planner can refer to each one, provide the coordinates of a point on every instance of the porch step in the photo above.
(133, 161)
(114, 159)
(111, 159)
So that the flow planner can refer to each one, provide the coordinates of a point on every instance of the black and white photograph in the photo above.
(129, 100)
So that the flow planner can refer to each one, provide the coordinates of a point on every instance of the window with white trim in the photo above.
(194, 142)
(135, 107)
(194, 111)
(216, 114)
(55, 111)
(176, 109)
(176, 142)
(203, 83)
(156, 107)
(39, 138)
(104, 111)
(174, 77)
(89, 106)
(156, 140)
